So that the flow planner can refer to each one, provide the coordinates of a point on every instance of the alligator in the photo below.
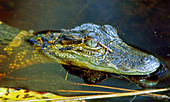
(90, 51)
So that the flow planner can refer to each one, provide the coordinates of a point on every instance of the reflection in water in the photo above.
(94, 77)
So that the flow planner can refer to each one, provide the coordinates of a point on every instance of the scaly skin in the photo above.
(97, 48)
(15, 52)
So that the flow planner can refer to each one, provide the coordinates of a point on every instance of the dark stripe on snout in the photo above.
(64, 39)
(65, 48)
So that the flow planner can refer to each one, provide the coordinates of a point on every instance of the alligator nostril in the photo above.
(145, 60)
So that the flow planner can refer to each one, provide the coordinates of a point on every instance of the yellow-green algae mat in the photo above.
(11, 94)
(23, 95)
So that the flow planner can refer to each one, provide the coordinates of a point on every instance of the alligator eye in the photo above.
(91, 43)
(145, 60)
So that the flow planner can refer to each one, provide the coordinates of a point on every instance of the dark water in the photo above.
(142, 23)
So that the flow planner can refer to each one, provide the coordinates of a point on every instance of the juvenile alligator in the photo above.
(90, 51)
(95, 47)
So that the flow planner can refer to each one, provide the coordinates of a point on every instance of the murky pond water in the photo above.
(140, 23)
